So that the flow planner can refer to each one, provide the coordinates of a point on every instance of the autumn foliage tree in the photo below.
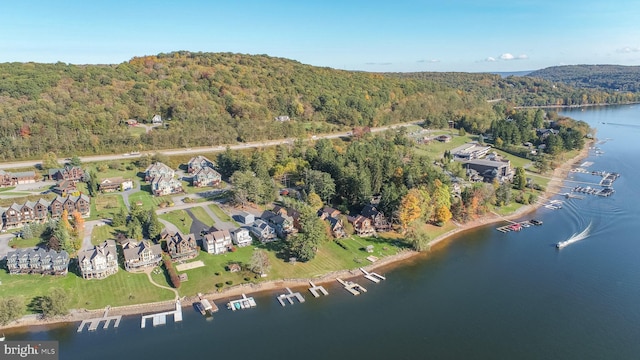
(409, 210)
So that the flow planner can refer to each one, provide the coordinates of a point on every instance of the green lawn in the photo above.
(202, 215)
(122, 288)
(104, 232)
(221, 214)
(179, 218)
(8, 188)
(24, 243)
(104, 206)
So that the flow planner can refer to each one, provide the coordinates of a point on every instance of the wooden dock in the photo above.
(243, 303)
(95, 322)
(317, 290)
(372, 276)
(352, 287)
(289, 296)
(161, 318)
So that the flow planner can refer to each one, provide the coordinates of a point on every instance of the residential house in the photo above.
(132, 122)
(115, 184)
(71, 203)
(156, 120)
(337, 228)
(490, 169)
(158, 169)
(197, 163)
(18, 215)
(17, 178)
(327, 212)
(165, 185)
(362, 225)
(245, 217)
(65, 188)
(99, 262)
(378, 219)
(282, 118)
(263, 231)
(545, 133)
(206, 176)
(182, 247)
(470, 151)
(217, 242)
(37, 261)
(140, 255)
(292, 213)
(68, 172)
(241, 237)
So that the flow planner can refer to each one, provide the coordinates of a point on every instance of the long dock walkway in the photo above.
(161, 318)
(317, 290)
(243, 303)
(289, 296)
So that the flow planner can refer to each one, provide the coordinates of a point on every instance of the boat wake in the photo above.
(575, 237)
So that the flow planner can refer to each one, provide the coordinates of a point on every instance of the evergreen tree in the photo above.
(154, 226)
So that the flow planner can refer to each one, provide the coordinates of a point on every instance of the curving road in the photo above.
(199, 150)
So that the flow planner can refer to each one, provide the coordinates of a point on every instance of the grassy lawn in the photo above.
(8, 188)
(435, 149)
(221, 214)
(137, 131)
(105, 232)
(104, 206)
(179, 218)
(24, 243)
(122, 288)
(202, 215)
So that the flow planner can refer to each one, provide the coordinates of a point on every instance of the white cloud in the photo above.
(490, 59)
(429, 61)
(507, 56)
(628, 49)
(522, 57)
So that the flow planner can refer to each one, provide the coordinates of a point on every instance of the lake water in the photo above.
(486, 295)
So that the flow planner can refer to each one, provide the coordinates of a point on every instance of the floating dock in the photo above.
(372, 276)
(161, 318)
(352, 287)
(289, 296)
(243, 303)
(95, 322)
(317, 290)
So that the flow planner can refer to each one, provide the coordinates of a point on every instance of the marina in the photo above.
(352, 287)
(372, 276)
(317, 290)
(605, 192)
(289, 296)
(518, 226)
(161, 318)
(242, 303)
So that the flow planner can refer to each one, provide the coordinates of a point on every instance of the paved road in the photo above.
(199, 150)
(125, 194)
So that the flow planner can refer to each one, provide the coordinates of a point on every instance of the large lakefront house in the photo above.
(99, 262)
(180, 247)
(141, 255)
(37, 261)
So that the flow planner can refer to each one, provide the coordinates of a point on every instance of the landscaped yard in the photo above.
(105, 205)
(122, 288)
(179, 218)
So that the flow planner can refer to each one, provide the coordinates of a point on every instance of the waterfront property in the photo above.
(99, 262)
(141, 255)
(242, 303)
(161, 318)
(470, 151)
(362, 225)
(38, 261)
(181, 247)
(241, 237)
(488, 170)
(263, 231)
(217, 242)
(378, 220)
(289, 296)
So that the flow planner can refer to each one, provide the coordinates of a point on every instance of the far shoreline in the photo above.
(34, 322)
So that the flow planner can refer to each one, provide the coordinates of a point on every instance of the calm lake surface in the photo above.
(487, 295)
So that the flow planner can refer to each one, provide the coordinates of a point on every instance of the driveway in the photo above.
(125, 194)
(4, 244)
(88, 229)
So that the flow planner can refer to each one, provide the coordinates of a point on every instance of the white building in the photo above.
(217, 242)
(241, 237)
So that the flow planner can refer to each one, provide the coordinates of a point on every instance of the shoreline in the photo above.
(33, 322)
(573, 106)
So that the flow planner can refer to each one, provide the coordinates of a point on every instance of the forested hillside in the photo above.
(223, 98)
(608, 77)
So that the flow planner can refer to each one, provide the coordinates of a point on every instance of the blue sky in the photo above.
(400, 35)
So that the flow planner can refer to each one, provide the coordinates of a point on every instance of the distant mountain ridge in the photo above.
(609, 77)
